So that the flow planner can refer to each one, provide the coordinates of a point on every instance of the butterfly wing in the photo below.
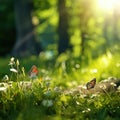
(33, 71)
(91, 84)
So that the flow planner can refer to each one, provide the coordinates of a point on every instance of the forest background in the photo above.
(60, 30)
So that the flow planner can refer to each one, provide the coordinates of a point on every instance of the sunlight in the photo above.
(108, 5)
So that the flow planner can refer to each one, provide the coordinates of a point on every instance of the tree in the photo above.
(26, 44)
(7, 27)
(85, 15)
(63, 26)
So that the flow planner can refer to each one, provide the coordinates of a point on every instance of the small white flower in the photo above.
(57, 89)
(88, 109)
(47, 103)
(47, 84)
(77, 66)
(103, 87)
(13, 70)
(77, 103)
(83, 111)
(48, 93)
(83, 95)
(12, 61)
(47, 78)
(93, 95)
(3, 88)
(17, 62)
(6, 78)
(113, 84)
(84, 87)
(118, 88)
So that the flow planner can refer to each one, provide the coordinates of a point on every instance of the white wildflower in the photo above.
(47, 78)
(87, 110)
(77, 103)
(13, 70)
(118, 88)
(113, 84)
(77, 66)
(17, 62)
(47, 84)
(47, 103)
(103, 87)
(48, 93)
(12, 61)
(57, 89)
(6, 78)
(94, 95)
(3, 88)
(83, 111)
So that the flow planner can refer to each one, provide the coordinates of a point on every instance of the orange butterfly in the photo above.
(33, 71)
(91, 84)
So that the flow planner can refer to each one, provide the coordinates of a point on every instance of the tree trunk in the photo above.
(26, 44)
(63, 44)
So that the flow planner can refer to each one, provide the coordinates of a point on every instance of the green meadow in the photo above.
(43, 98)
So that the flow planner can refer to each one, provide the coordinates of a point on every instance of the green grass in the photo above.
(44, 99)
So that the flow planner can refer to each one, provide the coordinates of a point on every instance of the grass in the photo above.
(44, 99)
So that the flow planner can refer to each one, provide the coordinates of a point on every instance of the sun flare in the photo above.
(108, 5)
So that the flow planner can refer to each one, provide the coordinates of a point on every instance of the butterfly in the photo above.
(91, 84)
(33, 72)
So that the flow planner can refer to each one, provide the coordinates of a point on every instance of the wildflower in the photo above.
(57, 89)
(103, 87)
(87, 110)
(17, 62)
(111, 78)
(83, 87)
(47, 84)
(83, 111)
(47, 78)
(77, 103)
(23, 71)
(13, 70)
(3, 88)
(47, 103)
(94, 95)
(12, 61)
(5, 78)
(113, 84)
(77, 66)
(48, 93)
(10, 83)
(118, 88)
(83, 96)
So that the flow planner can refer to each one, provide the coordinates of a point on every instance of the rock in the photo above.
(110, 84)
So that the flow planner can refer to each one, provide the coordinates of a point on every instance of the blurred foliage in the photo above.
(7, 27)
(45, 13)
(99, 26)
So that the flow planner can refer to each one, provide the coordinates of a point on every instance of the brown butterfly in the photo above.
(91, 84)
(33, 71)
